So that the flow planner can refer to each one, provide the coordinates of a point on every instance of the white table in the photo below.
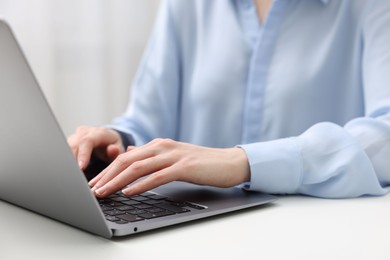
(294, 227)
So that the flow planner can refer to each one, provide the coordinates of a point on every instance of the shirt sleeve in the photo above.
(154, 103)
(335, 161)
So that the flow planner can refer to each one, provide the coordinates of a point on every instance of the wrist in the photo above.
(241, 162)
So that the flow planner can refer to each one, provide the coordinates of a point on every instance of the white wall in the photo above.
(84, 52)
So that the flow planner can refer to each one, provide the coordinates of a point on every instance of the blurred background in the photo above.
(84, 53)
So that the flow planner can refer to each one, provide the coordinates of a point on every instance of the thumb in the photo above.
(112, 151)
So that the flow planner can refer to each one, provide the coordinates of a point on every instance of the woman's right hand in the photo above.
(104, 143)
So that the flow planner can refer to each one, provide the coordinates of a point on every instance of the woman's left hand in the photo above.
(165, 160)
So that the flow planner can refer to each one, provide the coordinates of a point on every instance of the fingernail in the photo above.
(128, 192)
(81, 164)
(91, 183)
(100, 191)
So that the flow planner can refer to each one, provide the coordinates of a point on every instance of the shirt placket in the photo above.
(263, 45)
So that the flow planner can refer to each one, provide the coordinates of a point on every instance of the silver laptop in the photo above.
(39, 172)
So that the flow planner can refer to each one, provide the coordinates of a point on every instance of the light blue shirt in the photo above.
(306, 95)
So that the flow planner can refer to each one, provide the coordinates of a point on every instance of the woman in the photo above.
(288, 97)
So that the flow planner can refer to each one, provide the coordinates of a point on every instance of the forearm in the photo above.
(325, 161)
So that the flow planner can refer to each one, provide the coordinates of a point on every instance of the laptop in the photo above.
(39, 172)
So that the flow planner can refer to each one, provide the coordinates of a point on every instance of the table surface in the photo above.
(293, 227)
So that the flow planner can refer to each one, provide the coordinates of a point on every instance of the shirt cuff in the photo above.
(275, 166)
(127, 138)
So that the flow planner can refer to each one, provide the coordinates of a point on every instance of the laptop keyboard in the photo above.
(122, 210)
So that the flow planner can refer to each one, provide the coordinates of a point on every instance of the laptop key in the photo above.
(179, 204)
(154, 210)
(112, 218)
(104, 201)
(114, 204)
(139, 198)
(172, 208)
(119, 199)
(105, 208)
(142, 206)
(136, 212)
(130, 217)
(145, 194)
(157, 197)
(114, 212)
(151, 202)
(131, 202)
(157, 214)
(125, 207)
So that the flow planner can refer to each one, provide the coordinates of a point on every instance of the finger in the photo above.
(125, 160)
(75, 151)
(84, 154)
(93, 183)
(97, 178)
(130, 148)
(133, 172)
(73, 145)
(155, 180)
(122, 162)
(115, 168)
(112, 152)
